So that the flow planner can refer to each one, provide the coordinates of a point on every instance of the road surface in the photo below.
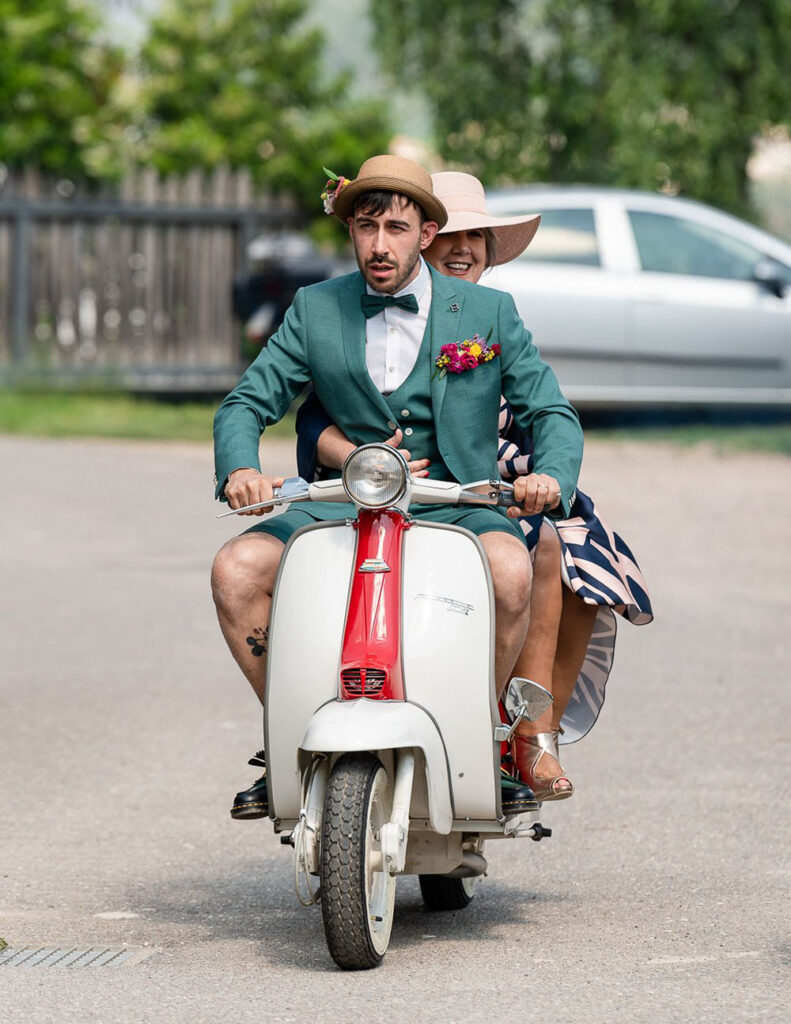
(125, 727)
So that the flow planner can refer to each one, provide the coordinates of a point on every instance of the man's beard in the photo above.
(403, 271)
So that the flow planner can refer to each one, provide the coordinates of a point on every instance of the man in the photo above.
(369, 343)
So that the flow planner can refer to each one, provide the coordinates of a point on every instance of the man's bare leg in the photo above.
(512, 575)
(242, 581)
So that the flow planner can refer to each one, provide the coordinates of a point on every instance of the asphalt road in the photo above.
(125, 729)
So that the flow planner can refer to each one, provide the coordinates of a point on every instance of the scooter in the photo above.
(382, 728)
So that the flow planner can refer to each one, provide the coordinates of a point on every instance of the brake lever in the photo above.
(501, 494)
(293, 489)
(504, 493)
(269, 503)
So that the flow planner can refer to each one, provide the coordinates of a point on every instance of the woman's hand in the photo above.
(334, 446)
(535, 493)
(417, 467)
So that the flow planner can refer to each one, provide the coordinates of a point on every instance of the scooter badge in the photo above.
(374, 565)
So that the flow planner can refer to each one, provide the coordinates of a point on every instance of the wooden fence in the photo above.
(132, 286)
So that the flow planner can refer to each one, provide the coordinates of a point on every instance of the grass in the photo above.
(49, 414)
(724, 438)
(65, 414)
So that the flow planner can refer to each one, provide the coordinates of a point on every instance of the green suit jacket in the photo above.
(322, 339)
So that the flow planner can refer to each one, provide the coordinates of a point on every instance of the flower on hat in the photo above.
(335, 185)
(459, 356)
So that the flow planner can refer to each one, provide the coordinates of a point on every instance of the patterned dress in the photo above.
(597, 566)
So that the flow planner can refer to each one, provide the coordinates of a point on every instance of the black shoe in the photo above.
(515, 796)
(253, 802)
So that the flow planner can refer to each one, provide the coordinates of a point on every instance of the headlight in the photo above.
(375, 476)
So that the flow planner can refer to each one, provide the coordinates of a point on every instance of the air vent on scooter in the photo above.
(363, 682)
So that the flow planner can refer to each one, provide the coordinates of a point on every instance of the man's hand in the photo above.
(418, 467)
(535, 493)
(248, 487)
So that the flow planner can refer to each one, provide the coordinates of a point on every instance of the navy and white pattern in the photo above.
(597, 566)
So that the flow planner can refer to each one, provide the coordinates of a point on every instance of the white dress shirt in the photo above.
(394, 336)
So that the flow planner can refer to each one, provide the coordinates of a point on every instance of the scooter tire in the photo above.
(442, 893)
(357, 901)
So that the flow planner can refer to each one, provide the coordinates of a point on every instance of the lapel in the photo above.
(445, 327)
(353, 328)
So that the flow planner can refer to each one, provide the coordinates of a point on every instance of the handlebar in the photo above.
(423, 491)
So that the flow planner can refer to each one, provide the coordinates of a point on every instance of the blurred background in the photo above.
(161, 165)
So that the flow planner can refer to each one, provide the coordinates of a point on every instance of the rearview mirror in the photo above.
(772, 276)
(523, 699)
(530, 698)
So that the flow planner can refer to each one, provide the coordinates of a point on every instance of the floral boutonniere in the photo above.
(460, 356)
(335, 184)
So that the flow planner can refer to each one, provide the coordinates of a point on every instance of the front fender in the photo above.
(342, 726)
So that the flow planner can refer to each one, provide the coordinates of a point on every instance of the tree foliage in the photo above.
(56, 84)
(240, 82)
(642, 93)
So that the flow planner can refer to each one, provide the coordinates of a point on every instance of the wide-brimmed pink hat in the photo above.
(463, 197)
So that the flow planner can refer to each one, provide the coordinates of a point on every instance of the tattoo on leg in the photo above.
(259, 641)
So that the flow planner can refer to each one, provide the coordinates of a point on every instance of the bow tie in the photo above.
(373, 304)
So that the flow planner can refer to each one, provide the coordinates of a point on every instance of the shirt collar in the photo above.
(417, 286)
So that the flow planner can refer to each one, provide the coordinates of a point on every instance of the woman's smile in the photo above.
(458, 254)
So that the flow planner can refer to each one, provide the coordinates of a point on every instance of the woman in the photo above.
(583, 571)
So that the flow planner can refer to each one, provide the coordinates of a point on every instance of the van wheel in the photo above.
(442, 893)
(357, 895)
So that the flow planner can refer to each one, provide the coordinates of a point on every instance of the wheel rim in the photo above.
(379, 883)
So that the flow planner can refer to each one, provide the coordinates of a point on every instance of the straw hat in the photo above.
(393, 174)
(464, 199)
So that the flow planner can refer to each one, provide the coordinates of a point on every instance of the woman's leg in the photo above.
(576, 627)
(537, 658)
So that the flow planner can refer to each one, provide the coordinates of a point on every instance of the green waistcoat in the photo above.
(413, 411)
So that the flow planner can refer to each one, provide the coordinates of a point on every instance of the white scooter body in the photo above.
(447, 653)
(439, 746)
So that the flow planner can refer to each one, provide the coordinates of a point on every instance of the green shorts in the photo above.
(476, 520)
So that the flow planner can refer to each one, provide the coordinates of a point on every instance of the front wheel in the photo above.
(357, 895)
(442, 893)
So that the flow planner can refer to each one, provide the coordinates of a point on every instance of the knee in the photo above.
(242, 568)
(547, 558)
(511, 573)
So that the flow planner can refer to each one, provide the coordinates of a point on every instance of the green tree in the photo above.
(641, 93)
(56, 82)
(240, 82)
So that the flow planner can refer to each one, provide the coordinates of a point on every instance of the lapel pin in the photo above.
(454, 307)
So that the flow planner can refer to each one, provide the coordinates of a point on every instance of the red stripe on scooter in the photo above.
(372, 639)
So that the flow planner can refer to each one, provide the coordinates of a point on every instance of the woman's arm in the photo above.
(321, 443)
(312, 422)
(333, 446)
(514, 447)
